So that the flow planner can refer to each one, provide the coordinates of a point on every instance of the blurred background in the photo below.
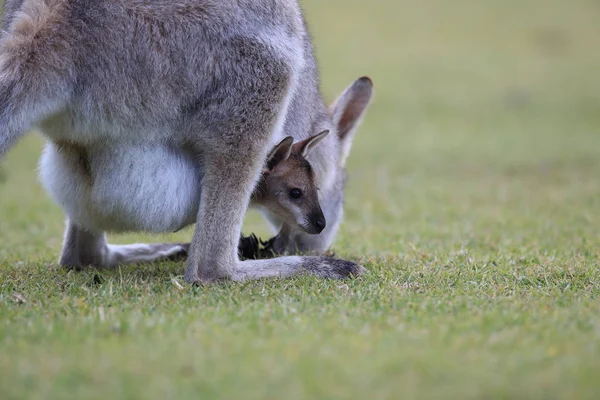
(486, 120)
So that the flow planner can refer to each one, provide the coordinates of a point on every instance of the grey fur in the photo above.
(160, 114)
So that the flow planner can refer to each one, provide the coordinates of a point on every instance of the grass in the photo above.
(473, 200)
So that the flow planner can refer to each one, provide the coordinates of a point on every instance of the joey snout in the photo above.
(315, 222)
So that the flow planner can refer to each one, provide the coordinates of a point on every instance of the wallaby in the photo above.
(287, 186)
(160, 114)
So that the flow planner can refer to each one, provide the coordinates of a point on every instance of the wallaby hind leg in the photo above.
(82, 248)
(226, 188)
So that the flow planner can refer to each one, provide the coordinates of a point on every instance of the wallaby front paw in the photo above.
(248, 247)
(253, 248)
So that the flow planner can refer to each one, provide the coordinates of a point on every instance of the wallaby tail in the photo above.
(35, 69)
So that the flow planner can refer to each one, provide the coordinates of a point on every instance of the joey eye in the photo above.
(295, 194)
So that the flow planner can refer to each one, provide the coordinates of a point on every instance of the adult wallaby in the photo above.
(145, 102)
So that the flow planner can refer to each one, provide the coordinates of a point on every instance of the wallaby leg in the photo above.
(226, 189)
(82, 248)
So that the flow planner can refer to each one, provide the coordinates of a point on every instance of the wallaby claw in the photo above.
(253, 248)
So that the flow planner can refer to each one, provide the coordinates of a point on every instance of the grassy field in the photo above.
(473, 200)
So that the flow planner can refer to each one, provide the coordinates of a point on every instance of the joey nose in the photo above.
(320, 224)
(315, 222)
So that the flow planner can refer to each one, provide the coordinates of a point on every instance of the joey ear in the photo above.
(347, 112)
(305, 146)
(280, 153)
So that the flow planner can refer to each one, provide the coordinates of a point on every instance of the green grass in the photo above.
(473, 200)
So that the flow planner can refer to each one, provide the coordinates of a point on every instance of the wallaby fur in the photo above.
(160, 114)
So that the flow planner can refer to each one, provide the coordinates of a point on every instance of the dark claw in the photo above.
(253, 248)
(248, 247)
(267, 250)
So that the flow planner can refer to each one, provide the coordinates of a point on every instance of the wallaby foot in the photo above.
(140, 253)
(82, 248)
(261, 256)
(284, 267)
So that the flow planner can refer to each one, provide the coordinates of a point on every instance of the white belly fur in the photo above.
(129, 188)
